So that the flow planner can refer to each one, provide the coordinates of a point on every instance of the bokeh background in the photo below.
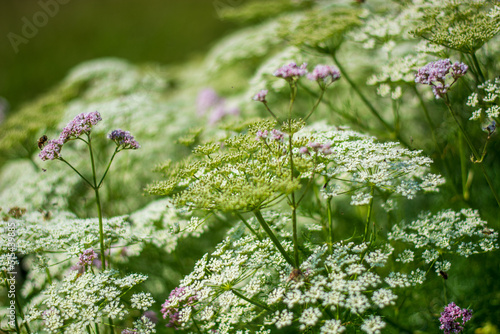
(162, 31)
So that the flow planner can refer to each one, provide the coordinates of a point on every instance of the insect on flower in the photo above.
(41, 141)
(443, 274)
(295, 274)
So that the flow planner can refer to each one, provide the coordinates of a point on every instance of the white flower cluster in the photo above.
(245, 278)
(487, 98)
(81, 300)
(144, 325)
(356, 163)
(462, 233)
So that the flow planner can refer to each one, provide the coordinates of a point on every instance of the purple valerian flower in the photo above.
(304, 150)
(123, 139)
(435, 75)
(128, 331)
(178, 298)
(261, 135)
(318, 147)
(81, 124)
(291, 71)
(87, 257)
(324, 73)
(51, 151)
(448, 319)
(277, 135)
(151, 315)
(207, 99)
(261, 96)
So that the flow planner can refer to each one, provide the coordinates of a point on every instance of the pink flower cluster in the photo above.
(291, 71)
(325, 149)
(179, 297)
(124, 139)
(436, 73)
(275, 135)
(449, 323)
(210, 102)
(87, 257)
(81, 124)
(325, 73)
(261, 96)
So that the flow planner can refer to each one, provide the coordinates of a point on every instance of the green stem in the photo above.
(258, 304)
(273, 238)
(330, 223)
(332, 108)
(315, 104)
(272, 114)
(477, 157)
(77, 172)
(395, 111)
(248, 226)
(369, 216)
(107, 168)
(98, 203)
(361, 95)
(463, 167)
(49, 277)
(111, 326)
(478, 67)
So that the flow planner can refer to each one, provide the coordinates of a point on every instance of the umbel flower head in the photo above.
(291, 71)
(449, 317)
(123, 139)
(81, 124)
(436, 74)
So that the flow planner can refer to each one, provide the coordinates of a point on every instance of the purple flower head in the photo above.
(178, 298)
(207, 99)
(435, 75)
(123, 139)
(261, 135)
(448, 319)
(291, 71)
(277, 135)
(51, 151)
(151, 315)
(318, 147)
(324, 73)
(304, 150)
(81, 124)
(261, 96)
(87, 257)
(128, 331)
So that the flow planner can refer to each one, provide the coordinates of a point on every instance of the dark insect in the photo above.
(41, 141)
(443, 274)
(295, 274)
(487, 231)
(360, 1)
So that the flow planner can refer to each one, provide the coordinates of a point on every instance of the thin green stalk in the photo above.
(444, 292)
(360, 94)
(434, 137)
(20, 309)
(272, 114)
(49, 277)
(477, 157)
(369, 216)
(273, 238)
(96, 328)
(239, 295)
(478, 67)
(77, 172)
(98, 203)
(332, 108)
(248, 226)
(111, 326)
(316, 104)
(395, 111)
(463, 167)
(107, 168)
(330, 224)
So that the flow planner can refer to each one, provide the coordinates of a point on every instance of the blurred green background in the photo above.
(163, 31)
